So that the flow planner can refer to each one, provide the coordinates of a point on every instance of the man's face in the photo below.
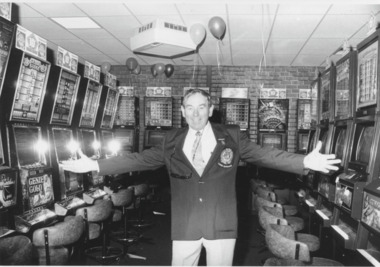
(196, 111)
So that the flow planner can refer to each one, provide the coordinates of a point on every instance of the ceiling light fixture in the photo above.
(77, 23)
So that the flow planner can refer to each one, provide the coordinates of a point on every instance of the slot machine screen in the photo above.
(8, 188)
(371, 211)
(61, 138)
(364, 144)
(126, 139)
(303, 139)
(90, 104)
(107, 137)
(311, 141)
(110, 109)
(367, 76)
(273, 140)
(158, 111)
(325, 96)
(339, 144)
(154, 137)
(65, 98)
(343, 196)
(88, 137)
(323, 140)
(26, 139)
(30, 90)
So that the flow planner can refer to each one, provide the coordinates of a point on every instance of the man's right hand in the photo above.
(82, 165)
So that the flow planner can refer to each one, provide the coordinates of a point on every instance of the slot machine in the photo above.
(273, 125)
(306, 120)
(8, 175)
(24, 90)
(273, 122)
(234, 107)
(362, 168)
(84, 121)
(339, 145)
(126, 123)
(158, 104)
(107, 117)
(64, 84)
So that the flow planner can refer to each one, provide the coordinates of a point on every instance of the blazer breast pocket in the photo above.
(179, 170)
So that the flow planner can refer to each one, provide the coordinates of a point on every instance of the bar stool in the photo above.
(296, 223)
(122, 200)
(141, 192)
(16, 250)
(55, 243)
(97, 219)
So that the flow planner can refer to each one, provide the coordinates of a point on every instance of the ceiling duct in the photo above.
(162, 39)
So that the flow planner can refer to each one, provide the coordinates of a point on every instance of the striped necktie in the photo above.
(198, 162)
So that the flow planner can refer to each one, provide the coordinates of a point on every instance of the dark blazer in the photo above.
(204, 206)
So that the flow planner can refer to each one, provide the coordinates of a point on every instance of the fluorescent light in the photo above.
(77, 23)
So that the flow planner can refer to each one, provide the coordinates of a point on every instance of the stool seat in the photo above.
(296, 223)
(283, 262)
(16, 250)
(311, 241)
(290, 210)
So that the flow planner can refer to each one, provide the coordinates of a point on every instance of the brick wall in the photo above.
(291, 78)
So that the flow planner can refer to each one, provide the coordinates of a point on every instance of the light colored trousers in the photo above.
(218, 252)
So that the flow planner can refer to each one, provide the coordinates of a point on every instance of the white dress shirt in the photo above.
(208, 142)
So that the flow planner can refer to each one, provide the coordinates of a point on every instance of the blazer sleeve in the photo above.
(269, 157)
(148, 159)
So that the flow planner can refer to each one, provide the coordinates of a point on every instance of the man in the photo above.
(202, 161)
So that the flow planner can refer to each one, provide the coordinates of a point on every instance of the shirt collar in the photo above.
(192, 132)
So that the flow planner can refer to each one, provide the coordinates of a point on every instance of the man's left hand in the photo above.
(321, 162)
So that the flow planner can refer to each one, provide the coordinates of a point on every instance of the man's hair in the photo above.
(194, 91)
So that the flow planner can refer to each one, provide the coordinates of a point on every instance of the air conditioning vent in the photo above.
(162, 39)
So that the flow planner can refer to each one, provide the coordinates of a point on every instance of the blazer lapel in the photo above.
(222, 138)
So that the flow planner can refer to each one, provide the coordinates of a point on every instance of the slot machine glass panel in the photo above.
(342, 91)
(70, 183)
(126, 138)
(367, 71)
(339, 144)
(154, 137)
(275, 140)
(235, 111)
(90, 104)
(65, 98)
(27, 139)
(110, 109)
(158, 111)
(30, 90)
(88, 142)
(7, 39)
(325, 106)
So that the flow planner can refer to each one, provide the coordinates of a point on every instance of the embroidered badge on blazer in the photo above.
(226, 158)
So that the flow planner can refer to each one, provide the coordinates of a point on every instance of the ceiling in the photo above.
(257, 33)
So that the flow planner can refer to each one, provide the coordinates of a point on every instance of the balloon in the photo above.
(160, 68)
(217, 27)
(106, 66)
(197, 33)
(169, 69)
(137, 70)
(153, 70)
(131, 63)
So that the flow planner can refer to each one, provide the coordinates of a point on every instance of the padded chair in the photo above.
(284, 243)
(122, 200)
(297, 223)
(97, 219)
(55, 243)
(16, 250)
